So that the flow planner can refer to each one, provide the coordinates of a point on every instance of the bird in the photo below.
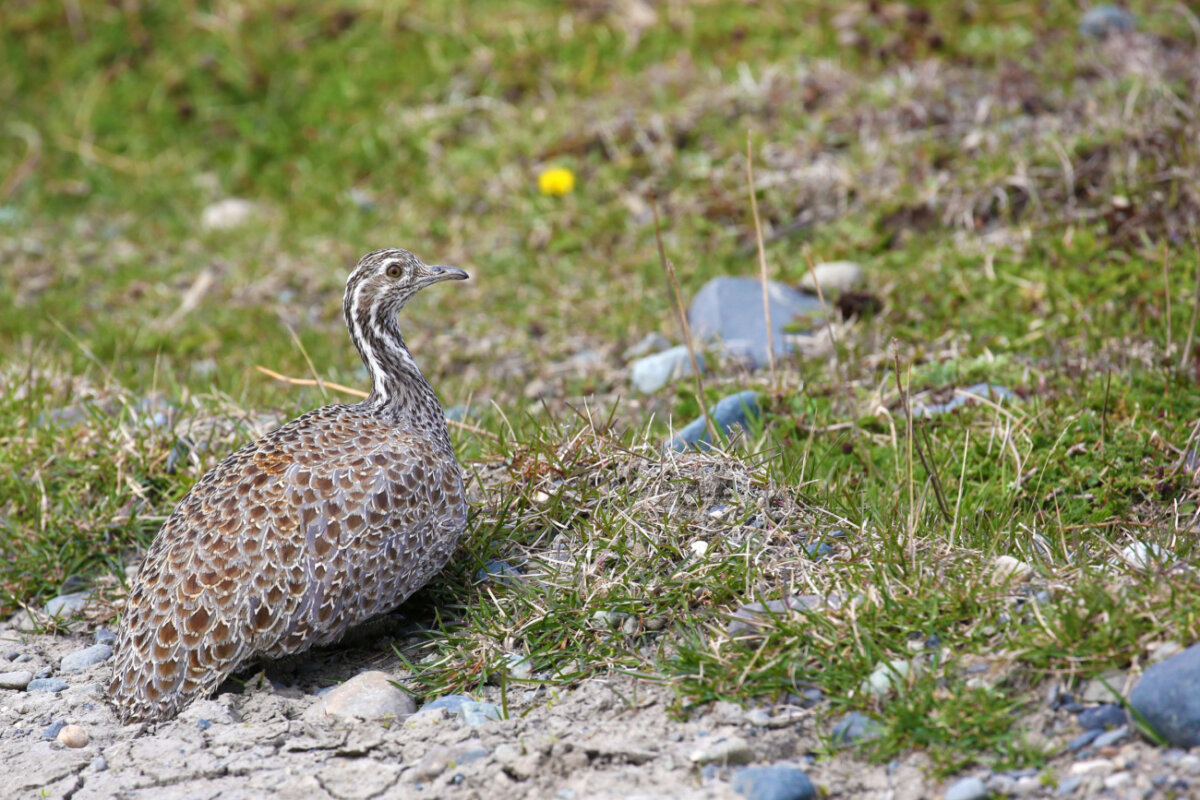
(327, 521)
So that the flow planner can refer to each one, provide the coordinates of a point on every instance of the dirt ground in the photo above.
(604, 738)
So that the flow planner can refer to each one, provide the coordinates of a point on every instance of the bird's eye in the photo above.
(394, 271)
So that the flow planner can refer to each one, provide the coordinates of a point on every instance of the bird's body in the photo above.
(333, 518)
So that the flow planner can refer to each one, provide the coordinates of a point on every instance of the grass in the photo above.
(1020, 197)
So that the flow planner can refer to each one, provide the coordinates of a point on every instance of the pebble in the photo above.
(73, 736)
(498, 572)
(1140, 555)
(67, 605)
(88, 657)
(519, 667)
(776, 782)
(833, 276)
(729, 750)
(99, 764)
(1102, 717)
(730, 309)
(47, 685)
(475, 714)
(226, 214)
(1111, 737)
(1163, 650)
(1101, 21)
(856, 727)
(886, 676)
(1068, 786)
(997, 394)
(1006, 569)
(439, 758)
(653, 342)
(105, 636)
(651, 373)
(15, 680)
(754, 617)
(450, 702)
(967, 789)
(1098, 766)
(1083, 740)
(1095, 690)
(1168, 696)
(734, 411)
(53, 730)
(368, 695)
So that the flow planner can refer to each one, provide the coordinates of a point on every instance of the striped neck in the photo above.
(399, 391)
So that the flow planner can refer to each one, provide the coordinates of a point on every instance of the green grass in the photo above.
(993, 261)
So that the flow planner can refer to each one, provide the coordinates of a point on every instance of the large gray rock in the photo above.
(776, 782)
(1168, 696)
(731, 310)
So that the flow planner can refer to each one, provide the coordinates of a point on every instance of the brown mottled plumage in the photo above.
(335, 517)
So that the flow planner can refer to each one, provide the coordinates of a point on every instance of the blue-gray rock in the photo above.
(105, 636)
(1068, 786)
(734, 411)
(856, 727)
(1101, 21)
(651, 373)
(67, 605)
(99, 764)
(731, 310)
(88, 657)
(1168, 696)
(1102, 717)
(15, 680)
(474, 713)
(450, 702)
(1084, 739)
(993, 392)
(650, 343)
(458, 413)
(1111, 737)
(777, 782)
(967, 789)
(498, 571)
(203, 724)
(47, 685)
(52, 731)
(818, 550)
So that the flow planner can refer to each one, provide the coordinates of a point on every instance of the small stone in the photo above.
(53, 731)
(856, 727)
(731, 750)
(68, 605)
(498, 572)
(1104, 20)
(730, 310)
(886, 676)
(99, 764)
(1163, 650)
(476, 714)
(88, 657)
(227, 214)
(368, 695)
(1068, 786)
(1140, 555)
(73, 736)
(650, 343)
(105, 636)
(756, 617)
(450, 702)
(967, 789)
(1168, 696)
(519, 667)
(1095, 691)
(962, 397)
(47, 685)
(651, 373)
(1006, 569)
(833, 277)
(1118, 780)
(1083, 740)
(15, 680)
(736, 411)
(776, 782)
(1099, 766)
(1111, 737)
(1103, 717)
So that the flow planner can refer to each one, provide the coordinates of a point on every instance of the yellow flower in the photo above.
(556, 182)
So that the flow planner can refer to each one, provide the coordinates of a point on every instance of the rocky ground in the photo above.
(282, 735)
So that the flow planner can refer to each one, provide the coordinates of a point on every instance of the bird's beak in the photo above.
(443, 273)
